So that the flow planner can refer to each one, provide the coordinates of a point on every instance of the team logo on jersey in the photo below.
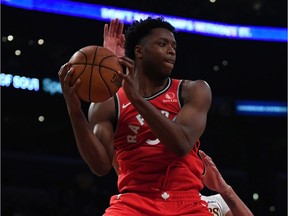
(170, 97)
(125, 105)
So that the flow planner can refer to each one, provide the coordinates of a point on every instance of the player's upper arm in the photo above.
(197, 99)
(101, 117)
(197, 94)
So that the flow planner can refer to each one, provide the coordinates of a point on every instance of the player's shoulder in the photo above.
(195, 84)
(196, 89)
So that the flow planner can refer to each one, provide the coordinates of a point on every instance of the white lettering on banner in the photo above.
(19, 82)
(31, 84)
(6, 79)
(244, 32)
(51, 86)
(26, 83)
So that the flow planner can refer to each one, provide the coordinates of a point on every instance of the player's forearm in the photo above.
(170, 134)
(89, 147)
(236, 205)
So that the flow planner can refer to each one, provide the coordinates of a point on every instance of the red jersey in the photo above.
(145, 164)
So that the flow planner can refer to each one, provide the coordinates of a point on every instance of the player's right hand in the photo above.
(114, 38)
(69, 90)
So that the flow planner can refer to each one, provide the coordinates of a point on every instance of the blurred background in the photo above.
(42, 172)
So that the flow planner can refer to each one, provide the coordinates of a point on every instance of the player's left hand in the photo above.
(212, 178)
(128, 79)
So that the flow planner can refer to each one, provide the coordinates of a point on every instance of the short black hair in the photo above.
(140, 29)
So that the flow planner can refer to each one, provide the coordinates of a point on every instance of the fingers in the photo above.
(120, 29)
(115, 28)
(111, 28)
(209, 163)
(68, 78)
(128, 63)
(70, 72)
(105, 33)
(64, 69)
(65, 73)
(122, 40)
(128, 67)
(206, 159)
(204, 155)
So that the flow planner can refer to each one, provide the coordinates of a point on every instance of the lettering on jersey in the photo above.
(215, 211)
(134, 128)
(140, 119)
(125, 105)
(132, 138)
(170, 97)
(153, 142)
(165, 113)
(157, 141)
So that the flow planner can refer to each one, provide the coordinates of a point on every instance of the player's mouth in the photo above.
(171, 61)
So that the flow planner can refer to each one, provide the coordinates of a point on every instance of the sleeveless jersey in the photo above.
(145, 164)
(216, 204)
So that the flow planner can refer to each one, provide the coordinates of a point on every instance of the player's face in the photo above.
(159, 52)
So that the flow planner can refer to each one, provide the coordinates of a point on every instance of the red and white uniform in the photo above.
(149, 170)
(216, 204)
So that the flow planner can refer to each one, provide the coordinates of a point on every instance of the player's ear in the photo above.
(138, 51)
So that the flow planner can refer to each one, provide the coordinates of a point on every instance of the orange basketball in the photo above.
(97, 68)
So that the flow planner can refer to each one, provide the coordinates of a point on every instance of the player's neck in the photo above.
(148, 87)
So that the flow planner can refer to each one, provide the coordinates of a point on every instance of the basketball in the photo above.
(97, 68)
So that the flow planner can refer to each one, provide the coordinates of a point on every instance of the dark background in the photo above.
(41, 170)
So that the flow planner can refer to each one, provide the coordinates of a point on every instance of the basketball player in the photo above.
(114, 40)
(153, 125)
(226, 202)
